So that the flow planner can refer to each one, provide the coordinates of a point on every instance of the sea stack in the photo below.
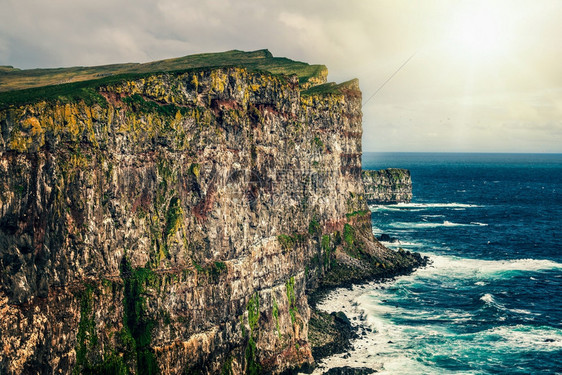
(387, 186)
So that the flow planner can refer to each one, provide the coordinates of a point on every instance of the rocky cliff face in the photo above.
(173, 223)
(387, 186)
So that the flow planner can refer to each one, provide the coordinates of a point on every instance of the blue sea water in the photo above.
(491, 302)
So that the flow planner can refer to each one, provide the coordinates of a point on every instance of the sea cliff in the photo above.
(174, 222)
(387, 186)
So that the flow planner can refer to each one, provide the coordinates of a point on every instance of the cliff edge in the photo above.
(173, 222)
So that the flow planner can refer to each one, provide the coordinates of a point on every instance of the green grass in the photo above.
(70, 92)
(26, 86)
(253, 311)
(253, 367)
(139, 104)
(173, 216)
(286, 242)
(314, 228)
(357, 213)
(137, 324)
(330, 88)
(7, 68)
(291, 297)
(348, 234)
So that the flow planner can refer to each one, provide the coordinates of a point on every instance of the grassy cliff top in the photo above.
(351, 86)
(15, 79)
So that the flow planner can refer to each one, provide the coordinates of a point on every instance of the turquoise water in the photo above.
(491, 302)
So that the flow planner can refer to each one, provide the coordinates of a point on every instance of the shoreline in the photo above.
(337, 312)
(341, 301)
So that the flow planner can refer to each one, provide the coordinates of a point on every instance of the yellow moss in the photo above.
(33, 123)
(246, 97)
(161, 254)
(29, 132)
(78, 162)
(178, 117)
(307, 100)
(72, 124)
(195, 170)
(218, 80)
(110, 114)
(90, 127)
(178, 223)
(20, 142)
(195, 82)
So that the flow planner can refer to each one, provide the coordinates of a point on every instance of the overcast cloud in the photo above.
(451, 96)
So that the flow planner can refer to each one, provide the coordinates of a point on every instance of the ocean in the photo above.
(491, 301)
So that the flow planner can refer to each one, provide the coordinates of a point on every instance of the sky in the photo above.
(465, 76)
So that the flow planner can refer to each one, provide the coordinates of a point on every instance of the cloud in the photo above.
(446, 97)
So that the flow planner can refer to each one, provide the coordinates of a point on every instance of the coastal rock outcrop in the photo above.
(387, 186)
(174, 222)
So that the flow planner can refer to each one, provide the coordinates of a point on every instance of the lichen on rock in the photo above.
(177, 222)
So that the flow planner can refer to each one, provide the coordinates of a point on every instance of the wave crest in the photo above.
(478, 268)
(446, 223)
(419, 206)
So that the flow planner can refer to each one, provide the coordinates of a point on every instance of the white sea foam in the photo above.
(446, 223)
(522, 337)
(375, 349)
(481, 270)
(494, 266)
(374, 208)
(361, 355)
(488, 298)
(387, 347)
(521, 311)
(376, 230)
(402, 243)
(420, 206)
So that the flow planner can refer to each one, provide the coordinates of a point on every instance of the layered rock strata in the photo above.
(387, 186)
(174, 222)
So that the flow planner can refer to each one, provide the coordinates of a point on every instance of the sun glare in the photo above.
(480, 33)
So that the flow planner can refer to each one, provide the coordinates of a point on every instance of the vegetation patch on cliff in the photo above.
(332, 88)
(253, 308)
(291, 297)
(89, 346)
(139, 104)
(288, 242)
(137, 324)
(19, 87)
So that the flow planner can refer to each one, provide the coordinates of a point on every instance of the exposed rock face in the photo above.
(387, 186)
(174, 222)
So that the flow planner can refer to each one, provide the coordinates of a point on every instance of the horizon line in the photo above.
(465, 152)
